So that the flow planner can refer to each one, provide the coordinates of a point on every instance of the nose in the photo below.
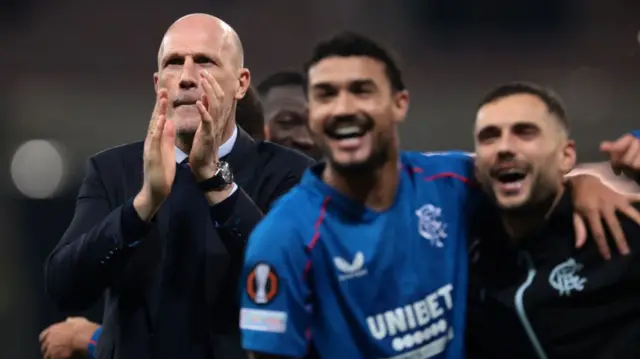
(344, 105)
(302, 138)
(505, 143)
(189, 75)
(505, 148)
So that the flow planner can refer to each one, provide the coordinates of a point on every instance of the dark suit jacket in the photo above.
(107, 246)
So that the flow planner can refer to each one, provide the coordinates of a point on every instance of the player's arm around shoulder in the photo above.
(631, 232)
(273, 315)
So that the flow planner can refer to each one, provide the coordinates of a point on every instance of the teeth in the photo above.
(347, 131)
(511, 172)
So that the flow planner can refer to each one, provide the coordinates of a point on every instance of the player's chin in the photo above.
(352, 163)
(512, 201)
(351, 157)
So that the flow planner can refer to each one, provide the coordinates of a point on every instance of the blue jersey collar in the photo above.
(312, 178)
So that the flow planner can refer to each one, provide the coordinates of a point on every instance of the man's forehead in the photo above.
(346, 70)
(511, 110)
(290, 98)
(185, 43)
(280, 93)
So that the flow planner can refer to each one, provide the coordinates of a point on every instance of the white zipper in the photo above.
(519, 305)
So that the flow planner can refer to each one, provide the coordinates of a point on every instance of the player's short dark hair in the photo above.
(550, 98)
(348, 44)
(278, 79)
(250, 114)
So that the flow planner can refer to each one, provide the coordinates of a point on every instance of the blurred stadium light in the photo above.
(38, 168)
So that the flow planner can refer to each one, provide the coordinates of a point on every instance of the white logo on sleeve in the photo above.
(262, 273)
(430, 225)
(350, 270)
(263, 320)
(565, 278)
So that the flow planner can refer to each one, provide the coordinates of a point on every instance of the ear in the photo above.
(569, 156)
(244, 81)
(155, 81)
(267, 132)
(400, 105)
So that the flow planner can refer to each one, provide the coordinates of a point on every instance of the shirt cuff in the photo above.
(132, 226)
(93, 342)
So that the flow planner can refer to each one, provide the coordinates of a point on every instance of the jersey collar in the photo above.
(313, 179)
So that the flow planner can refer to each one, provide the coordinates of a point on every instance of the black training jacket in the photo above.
(543, 298)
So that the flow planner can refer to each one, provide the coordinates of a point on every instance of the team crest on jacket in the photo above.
(566, 278)
(430, 224)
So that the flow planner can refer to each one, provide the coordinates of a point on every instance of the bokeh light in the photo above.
(38, 168)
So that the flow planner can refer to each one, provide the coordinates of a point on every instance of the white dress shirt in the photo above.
(224, 150)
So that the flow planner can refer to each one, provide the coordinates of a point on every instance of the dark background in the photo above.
(78, 76)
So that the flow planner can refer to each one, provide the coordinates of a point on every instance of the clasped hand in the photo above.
(159, 146)
(203, 158)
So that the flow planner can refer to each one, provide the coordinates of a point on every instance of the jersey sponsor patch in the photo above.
(262, 284)
(263, 320)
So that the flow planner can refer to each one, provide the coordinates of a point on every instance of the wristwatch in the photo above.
(221, 179)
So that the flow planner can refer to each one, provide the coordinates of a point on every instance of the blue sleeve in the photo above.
(273, 315)
(461, 167)
(93, 342)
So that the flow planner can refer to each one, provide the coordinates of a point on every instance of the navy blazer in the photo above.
(108, 248)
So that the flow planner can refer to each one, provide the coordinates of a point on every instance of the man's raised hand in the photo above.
(159, 161)
(204, 152)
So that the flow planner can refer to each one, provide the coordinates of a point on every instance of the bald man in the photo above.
(161, 224)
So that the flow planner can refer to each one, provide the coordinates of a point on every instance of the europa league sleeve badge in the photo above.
(262, 284)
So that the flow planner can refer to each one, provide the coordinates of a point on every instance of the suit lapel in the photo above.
(217, 260)
(243, 159)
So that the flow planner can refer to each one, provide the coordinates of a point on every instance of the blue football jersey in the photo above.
(323, 269)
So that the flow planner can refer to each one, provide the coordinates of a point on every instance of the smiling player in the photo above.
(397, 285)
(367, 257)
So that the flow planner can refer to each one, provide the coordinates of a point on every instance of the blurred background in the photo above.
(77, 78)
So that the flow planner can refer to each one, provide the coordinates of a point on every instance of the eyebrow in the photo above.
(180, 55)
(517, 125)
(323, 86)
(350, 83)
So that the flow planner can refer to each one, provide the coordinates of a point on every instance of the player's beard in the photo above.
(377, 158)
(542, 194)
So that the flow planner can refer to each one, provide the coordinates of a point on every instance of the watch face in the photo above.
(225, 172)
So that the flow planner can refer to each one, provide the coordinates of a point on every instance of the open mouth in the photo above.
(511, 175)
(182, 102)
(347, 132)
(349, 129)
(511, 179)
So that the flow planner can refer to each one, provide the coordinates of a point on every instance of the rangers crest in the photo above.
(430, 225)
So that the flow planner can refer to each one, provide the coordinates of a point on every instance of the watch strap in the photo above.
(218, 181)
